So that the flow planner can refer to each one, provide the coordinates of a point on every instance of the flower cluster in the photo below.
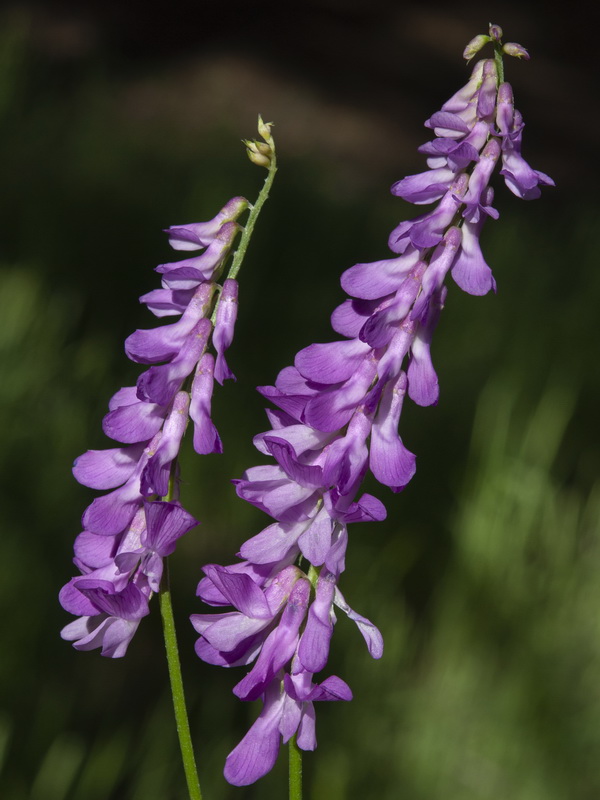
(337, 417)
(128, 531)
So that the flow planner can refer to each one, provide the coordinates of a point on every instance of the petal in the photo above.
(425, 187)
(240, 590)
(275, 543)
(135, 422)
(165, 524)
(206, 436)
(224, 328)
(106, 469)
(391, 463)
(370, 633)
(257, 753)
(313, 649)
(160, 384)
(378, 278)
(199, 234)
(333, 362)
(315, 541)
(349, 317)
(95, 550)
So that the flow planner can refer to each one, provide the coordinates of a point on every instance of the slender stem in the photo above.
(253, 216)
(499, 61)
(295, 771)
(181, 717)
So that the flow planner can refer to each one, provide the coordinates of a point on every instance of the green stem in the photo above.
(181, 717)
(499, 62)
(295, 769)
(253, 216)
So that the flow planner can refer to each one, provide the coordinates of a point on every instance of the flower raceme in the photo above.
(131, 529)
(337, 416)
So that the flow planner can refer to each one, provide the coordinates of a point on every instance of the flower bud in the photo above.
(475, 46)
(495, 32)
(257, 158)
(516, 50)
(264, 129)
(258, 152)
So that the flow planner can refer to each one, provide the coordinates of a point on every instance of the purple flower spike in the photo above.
(128, 531)
(337, 418)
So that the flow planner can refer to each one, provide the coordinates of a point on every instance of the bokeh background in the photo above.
(119, 119)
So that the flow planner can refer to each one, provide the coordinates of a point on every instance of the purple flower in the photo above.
(113, 620)
(119, 575)
(338, 416)
(287, 710)
(131, 529)
(202, 234)
(224, 325)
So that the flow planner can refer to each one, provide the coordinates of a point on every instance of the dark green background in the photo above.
(117, 121)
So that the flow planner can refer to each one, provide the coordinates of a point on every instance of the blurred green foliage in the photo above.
(484, 578)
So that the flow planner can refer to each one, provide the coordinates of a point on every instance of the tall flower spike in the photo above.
(131, 529)
(337, 417)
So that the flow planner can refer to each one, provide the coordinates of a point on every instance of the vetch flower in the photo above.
(338, 415)
(130, 530)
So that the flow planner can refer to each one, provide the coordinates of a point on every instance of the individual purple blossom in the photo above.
(224, 327)
(129, 530)
(287, 711)
(337, 418)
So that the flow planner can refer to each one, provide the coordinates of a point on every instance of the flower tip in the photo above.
(495, 32)
(264, 129)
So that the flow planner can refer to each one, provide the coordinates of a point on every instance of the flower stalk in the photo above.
(267, 152)
(295, 770)
(177, 691)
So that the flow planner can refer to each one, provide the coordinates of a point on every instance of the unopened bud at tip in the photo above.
(516, 50)
(264, 129)
(495, 32)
